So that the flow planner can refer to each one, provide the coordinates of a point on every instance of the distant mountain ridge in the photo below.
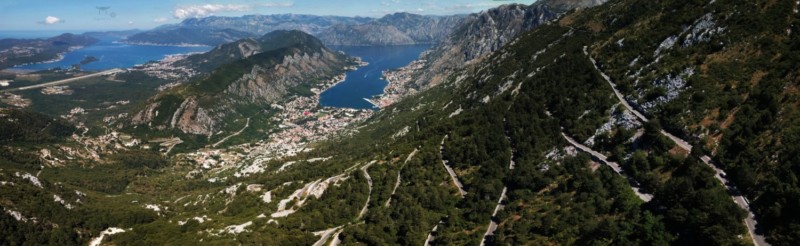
(393, 29)
(187, 36)
(262, 24)
(217, 30)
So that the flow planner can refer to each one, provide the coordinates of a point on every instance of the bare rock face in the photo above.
(483, 33)
(248, 48)
(147, 115)
(491, 29)
(267, 85)
(193, 119)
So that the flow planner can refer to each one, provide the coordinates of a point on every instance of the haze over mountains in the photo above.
(393, 29)
(563, 122)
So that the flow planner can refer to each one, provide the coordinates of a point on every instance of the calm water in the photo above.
(114, 55)
(367, 81)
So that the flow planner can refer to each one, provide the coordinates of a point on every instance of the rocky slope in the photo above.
(536, 134)
(393, 29)
(258, 73)
(482, 33)
(206, 62)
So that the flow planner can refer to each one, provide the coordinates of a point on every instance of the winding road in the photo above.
(369, 181)
(232, 135)
(740, 200)
(430, 235)
(397, 184)
(492, 224)
(614, 166)
(324, 235)
(450, 170)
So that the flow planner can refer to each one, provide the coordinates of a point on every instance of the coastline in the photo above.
(59, 57)
(398, 80)
(160, 44)
(359, 63)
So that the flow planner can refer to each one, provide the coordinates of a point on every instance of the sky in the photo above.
(89, 15)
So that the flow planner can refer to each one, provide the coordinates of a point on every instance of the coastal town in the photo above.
(167, 70)
(400, 83)
(301, 120)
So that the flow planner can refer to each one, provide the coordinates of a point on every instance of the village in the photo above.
(399, 83)
(166, 69)
(301, 120)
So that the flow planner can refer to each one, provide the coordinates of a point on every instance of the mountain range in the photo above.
(563, 122)
(394, 29)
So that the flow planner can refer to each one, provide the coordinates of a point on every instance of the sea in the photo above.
(112, 54)
(367, 81)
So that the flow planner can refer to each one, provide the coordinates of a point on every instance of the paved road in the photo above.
(451, 172)
(750, 221)
(492, 224)
(232, 135)
(324, 235)
(430, 235)
(397, 184)
(597, 155)
(739, 199)
(369, 181)
(66, 81)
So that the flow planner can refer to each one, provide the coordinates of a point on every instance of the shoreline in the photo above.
(359, 63)
(164, 45)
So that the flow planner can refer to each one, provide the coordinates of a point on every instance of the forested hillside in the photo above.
(629, 123)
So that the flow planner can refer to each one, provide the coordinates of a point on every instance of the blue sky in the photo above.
(145, 14)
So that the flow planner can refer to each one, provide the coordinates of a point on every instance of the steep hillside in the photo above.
(393, 29)
(722, 75)
(477, 36)
(206, 62)
(254, 74)
(531, 147)
(629, 123)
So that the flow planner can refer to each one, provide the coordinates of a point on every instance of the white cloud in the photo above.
(160, 20)
(198, 11)
(49, 20)
(277, 4)
(390, 2)
(130, 22)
